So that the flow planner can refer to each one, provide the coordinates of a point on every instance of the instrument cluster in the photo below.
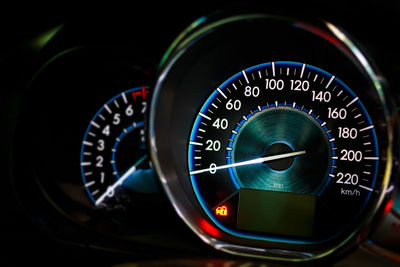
(237, 133)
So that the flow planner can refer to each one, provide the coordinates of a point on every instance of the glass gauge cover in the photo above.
(287, 149)
(279, 136)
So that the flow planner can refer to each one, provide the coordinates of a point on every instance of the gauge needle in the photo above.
(252, 161)
(110, 190)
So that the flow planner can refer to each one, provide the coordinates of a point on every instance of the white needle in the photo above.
(252, 161)
(110, 190)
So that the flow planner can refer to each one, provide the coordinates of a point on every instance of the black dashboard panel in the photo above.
(62, 74)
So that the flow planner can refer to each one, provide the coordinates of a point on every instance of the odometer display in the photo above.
(287, 141)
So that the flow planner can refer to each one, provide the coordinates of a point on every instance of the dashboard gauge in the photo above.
(96, 134)
(282, 145)
(114, 149)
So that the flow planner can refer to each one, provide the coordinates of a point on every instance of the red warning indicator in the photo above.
(221, 211)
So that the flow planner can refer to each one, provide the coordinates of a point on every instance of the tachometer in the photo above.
(283, 143)
(114, 148)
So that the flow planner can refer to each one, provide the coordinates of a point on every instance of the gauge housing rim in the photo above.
(194, 131)
(169, 176)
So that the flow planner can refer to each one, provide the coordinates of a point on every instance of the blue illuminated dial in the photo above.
(114, 150)
(287, 151)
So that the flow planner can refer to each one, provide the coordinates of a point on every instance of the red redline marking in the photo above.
(143, 93)
(134, 94)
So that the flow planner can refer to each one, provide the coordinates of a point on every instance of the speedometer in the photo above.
(285, 133)
(276, 146)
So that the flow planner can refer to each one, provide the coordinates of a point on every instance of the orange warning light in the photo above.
(222, 211)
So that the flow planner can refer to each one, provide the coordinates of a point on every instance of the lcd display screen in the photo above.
(276, 212)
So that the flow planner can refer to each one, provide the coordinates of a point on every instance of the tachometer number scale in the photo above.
(103, 160)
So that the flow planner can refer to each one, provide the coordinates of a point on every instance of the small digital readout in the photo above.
(276, 212)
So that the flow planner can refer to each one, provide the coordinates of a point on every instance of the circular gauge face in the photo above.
(114, 150)
(283, 151)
